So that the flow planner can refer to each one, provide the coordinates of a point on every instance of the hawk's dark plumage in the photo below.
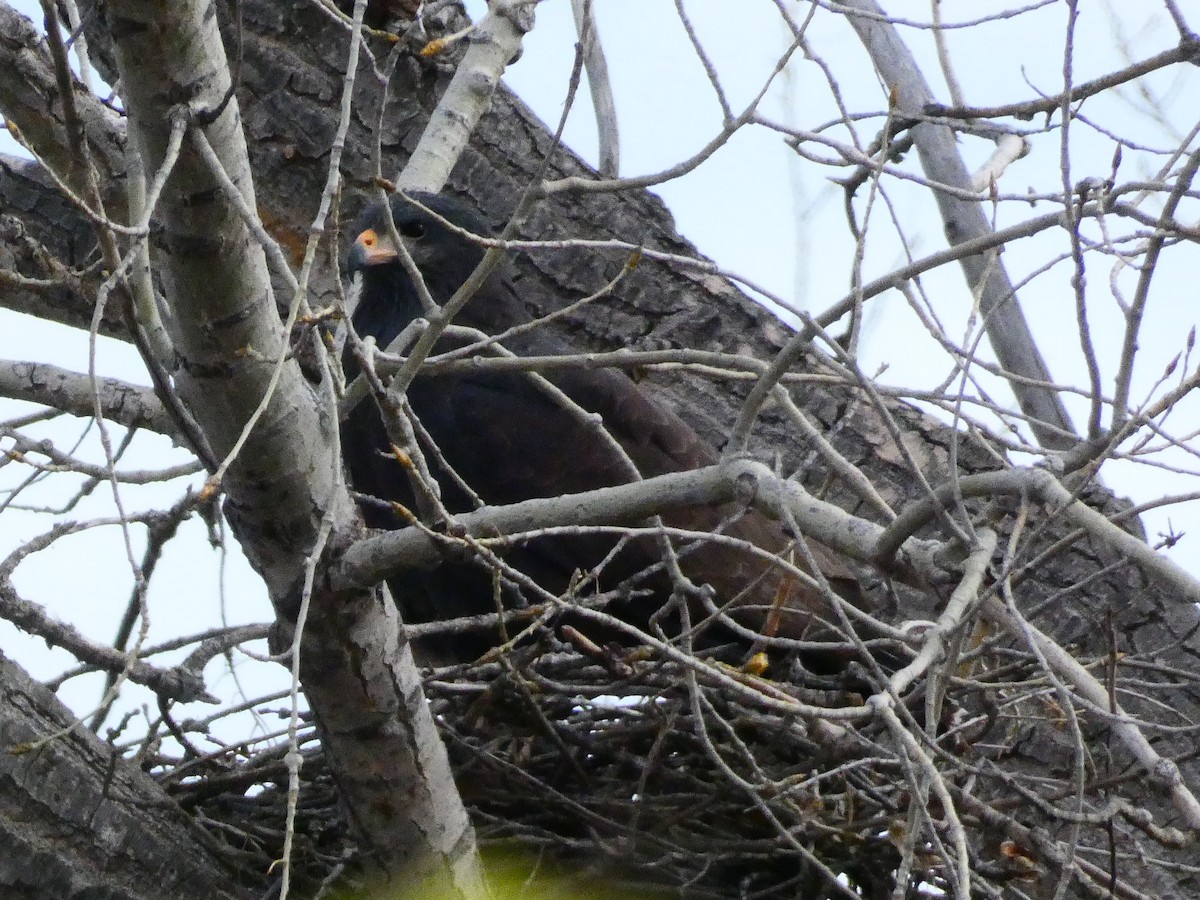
(510, 441)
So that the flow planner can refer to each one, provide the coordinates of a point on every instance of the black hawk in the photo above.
(510, 440)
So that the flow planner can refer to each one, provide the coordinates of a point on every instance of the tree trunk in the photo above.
(79, 820)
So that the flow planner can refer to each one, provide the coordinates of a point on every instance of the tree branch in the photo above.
(54, 798)
(738, 479)
(284, 484)
(72, 392)
(963, 220)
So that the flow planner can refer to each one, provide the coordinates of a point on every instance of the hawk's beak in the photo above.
(371, 249)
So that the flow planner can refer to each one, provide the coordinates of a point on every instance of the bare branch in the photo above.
(600, 86)
(123, 403)
(1005, 323)
(495, 41)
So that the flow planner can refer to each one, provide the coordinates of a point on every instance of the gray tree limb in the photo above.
(963, 220)
(61, 788)
(127, 404)
(33, 108)
(600, 87)
(283, 483)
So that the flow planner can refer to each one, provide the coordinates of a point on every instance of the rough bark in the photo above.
(284, 488)
(78, 820)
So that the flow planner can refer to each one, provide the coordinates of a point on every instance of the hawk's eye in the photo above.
(411, 229)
